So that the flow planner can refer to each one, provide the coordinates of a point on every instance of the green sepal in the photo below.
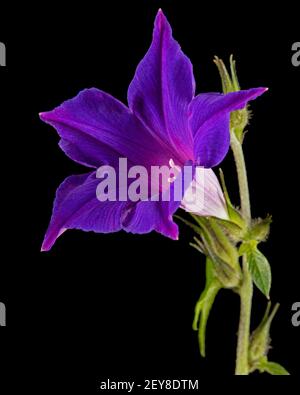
(215, 243)
(235, 82)
(221, 251)
(259, 229)
(226, 80)
(204, 304)
(198, 245)
(239, 119)
(233, 231)
(233, 213)
(196, 228)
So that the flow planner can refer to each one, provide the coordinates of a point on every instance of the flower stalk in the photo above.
(246, 289)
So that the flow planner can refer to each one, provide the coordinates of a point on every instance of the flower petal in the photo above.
(77, 207)
(150, 215)
(204, 196)
(161, 90)
(147, 216)
(212, 144)
(96, 128)
(209, 123)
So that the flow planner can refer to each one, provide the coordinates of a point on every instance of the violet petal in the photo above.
(209, 123)
(161, 90)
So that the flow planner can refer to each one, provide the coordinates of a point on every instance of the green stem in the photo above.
(246, 289)
(246, 292)
(237, 150)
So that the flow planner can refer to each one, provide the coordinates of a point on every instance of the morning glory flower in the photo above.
(164, 124)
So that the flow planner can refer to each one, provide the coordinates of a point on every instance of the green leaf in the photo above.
(273, 368)
(260, 270)
(204, 304)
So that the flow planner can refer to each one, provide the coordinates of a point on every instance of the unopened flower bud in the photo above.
(238, 119)
(260, 229)
(221, 251)
(260, 338)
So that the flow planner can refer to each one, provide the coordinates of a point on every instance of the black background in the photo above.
(120, 305)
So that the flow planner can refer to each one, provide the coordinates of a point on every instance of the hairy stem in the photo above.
(246, 292)
(246, 289)
(237, 150)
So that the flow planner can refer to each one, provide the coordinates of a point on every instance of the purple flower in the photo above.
(164, 123)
